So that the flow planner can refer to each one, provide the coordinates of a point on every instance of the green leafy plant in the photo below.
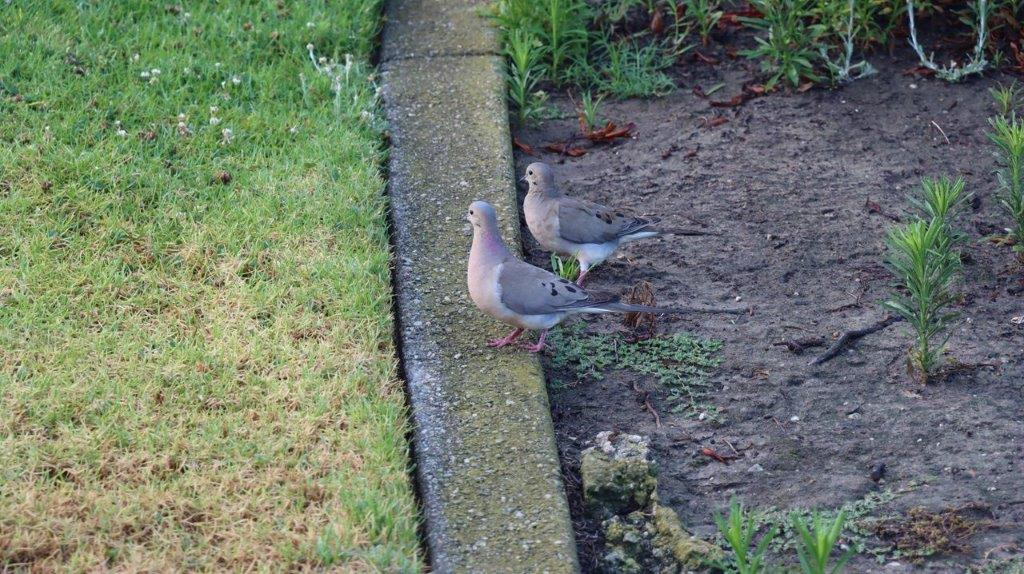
(739, 530)
(923, 259)
(565, 268)
(566, 36)
(791, 46)
(817, 542)
(977, 62)
(682, 364)
(941, 199)
(589, 108)
(1006, 99)
(631, 70)
(523, 51)
(1008, 135)
(560, 26)
(702, 14)
(844, 70)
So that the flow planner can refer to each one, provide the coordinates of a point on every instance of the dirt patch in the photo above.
(802, 189)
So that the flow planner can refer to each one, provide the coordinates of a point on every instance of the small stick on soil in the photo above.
(938, 127)
(647, 404)
(851, 336)
(736, 452)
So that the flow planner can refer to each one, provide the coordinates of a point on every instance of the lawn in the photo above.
(196, 358)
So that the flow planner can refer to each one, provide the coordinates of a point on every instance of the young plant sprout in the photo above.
(941, 198)
(589, 110)
(923, 259)
(955, 73)
(565, 268)
(847, 71)
(1006, 99)
(817, 542)
(704, 14)
(739, 531)
(524, 52)
(1008, 135)
(790, 49)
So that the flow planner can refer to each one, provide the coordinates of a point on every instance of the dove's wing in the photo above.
(585, 222)
(530, 290)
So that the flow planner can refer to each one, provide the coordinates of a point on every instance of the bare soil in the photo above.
(789, 182)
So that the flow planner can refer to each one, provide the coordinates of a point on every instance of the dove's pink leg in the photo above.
(506, 340)
(540, 343)
(583, 275)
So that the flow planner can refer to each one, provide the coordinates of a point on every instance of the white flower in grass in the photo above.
(144, 74)
(365, 115)
(236, 80)
(182, 117)
(155, 71)
(214, 109)
(226, 135)
(216, 65)
(293, 130)
(309, 47)
(135, 57)
(310, 25)
(214, 120)
(122, 133)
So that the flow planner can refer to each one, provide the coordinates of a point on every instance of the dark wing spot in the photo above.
(598, 215)
(554, 292)
(566, 281)
(570, 289)
(619, 214)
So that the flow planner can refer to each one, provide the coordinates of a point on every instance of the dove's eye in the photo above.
(530, 172)
(471, 212)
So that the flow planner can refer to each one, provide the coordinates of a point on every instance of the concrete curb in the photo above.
(487, 463)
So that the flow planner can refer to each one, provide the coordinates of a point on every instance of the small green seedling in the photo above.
(589, 108)
(1006, 99)
(976, 64)
(817, 543)
(941, 198)
(790, 50)
(704, 15)
(1008, 135)
(565, 268)
(923, 259)
(739, 531)
(524, 52)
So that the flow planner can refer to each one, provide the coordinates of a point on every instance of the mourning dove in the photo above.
(575, 227)
(526, 296)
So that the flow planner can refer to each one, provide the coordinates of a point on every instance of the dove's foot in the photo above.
(506, 340)
(582, 278)
(540, 346)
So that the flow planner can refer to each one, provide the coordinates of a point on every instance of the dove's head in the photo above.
(481, 215)
(540, 178)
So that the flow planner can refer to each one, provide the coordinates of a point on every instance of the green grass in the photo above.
(196, 366)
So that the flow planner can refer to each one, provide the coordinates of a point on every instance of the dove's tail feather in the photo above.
(616, 306)
(643, 234)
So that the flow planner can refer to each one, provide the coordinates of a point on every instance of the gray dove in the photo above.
(574, 227)
(526, 296)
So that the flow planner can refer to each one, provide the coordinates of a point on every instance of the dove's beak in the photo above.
(522, 178)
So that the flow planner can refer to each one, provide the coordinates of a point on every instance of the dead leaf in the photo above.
(697, 55)
(565, 149)
(919, 71)
(523, 147)
(657, 22)
(805, 86)
(610, 132)
(716, 121)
